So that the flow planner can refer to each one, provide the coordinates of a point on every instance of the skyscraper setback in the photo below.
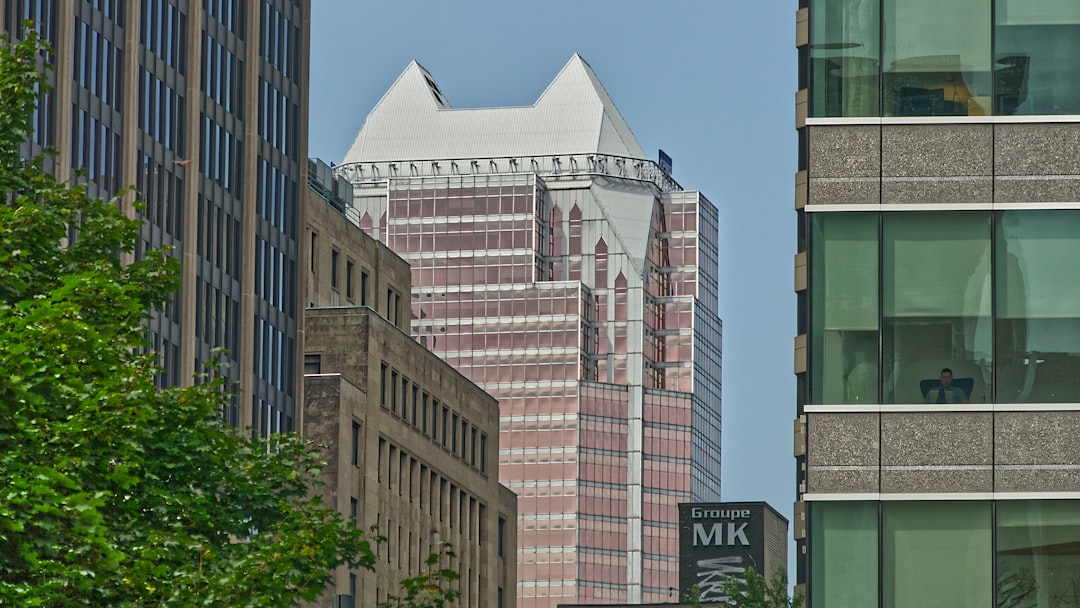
(203, 109)
(575, 281)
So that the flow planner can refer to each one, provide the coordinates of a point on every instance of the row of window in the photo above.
(223, 76)
(278, 197)
(164, 32)
(274, 353)
(943, 57)
(274, 276)
(230, 13)
(409, 542)
(217, 318)
(95, 150)
(438, 422)
(280, 41)
(162, 191)
(98, 65)
(278, 119)
(973, 554)
(222, 156)
(162, 113)
(219, 241)
(897, 297)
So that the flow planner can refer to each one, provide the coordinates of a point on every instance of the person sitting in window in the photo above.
(946, 393)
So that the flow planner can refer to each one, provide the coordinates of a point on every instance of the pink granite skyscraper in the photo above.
(574, 280)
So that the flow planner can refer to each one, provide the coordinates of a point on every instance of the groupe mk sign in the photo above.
(717, 540)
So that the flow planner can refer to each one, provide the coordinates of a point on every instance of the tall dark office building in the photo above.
(202, 108)
(939, 286)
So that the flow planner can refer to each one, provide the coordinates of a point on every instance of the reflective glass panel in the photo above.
(1038, 552)
(1038, 292)
(1037, 62)
(936, 303)
(844, 554)
(936, 58)
(936, 555)
(844, 55)
(844, 358)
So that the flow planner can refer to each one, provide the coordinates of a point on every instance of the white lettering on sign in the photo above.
(699, 513)
(715, 535)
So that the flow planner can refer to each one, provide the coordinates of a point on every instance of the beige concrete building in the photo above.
(203, 108)
(414, 444)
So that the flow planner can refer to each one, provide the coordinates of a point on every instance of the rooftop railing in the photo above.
(561, 165)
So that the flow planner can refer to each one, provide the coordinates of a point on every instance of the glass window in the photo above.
(844, 363)
(844, 554)
(936, 555)
(1038, 309)
(936, 301)
(1035, 68)
(1038, 552)
(936, 58)
(844, 57)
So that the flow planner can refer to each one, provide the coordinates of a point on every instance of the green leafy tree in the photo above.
(113, 493)
(757, 592)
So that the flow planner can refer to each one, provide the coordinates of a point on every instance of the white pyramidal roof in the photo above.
(413, 121)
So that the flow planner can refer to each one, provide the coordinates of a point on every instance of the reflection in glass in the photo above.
(1038, 552)
(936, 297)
(844, 363)
(844, 554)
(1038, 309)
(844, 58)
(936, 554)
(936, 58)
(1037, 48)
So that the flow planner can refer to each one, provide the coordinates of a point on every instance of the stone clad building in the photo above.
(413, 444)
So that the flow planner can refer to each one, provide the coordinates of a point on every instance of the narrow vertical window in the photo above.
(334, 268)
(355, 443)
(349, 279)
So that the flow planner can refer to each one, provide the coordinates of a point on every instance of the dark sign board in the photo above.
(717, 540)
(664, 162)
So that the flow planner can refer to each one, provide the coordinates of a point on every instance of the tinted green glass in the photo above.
(844, 554)
(1038, 552)
(1037, 63)
(1038, 291)
(936, 58)
(936, 302)
(844, 57)
(936, 555)
(844, 330)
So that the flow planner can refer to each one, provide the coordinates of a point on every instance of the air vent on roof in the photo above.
(435, 91)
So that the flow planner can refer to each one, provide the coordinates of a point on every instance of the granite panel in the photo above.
(936, 150)
(1035, 479)
(934, 480)
(1037, 438)
(845, 151)
(1036, 189)
(932, 190)
(849, 480)
(933, 438)
(835, 191)
(1037, 149)
(842, 439)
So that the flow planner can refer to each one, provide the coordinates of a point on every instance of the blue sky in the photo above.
(712, 82)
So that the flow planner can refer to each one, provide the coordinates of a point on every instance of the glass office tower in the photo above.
(938, 230)
(202, 108)
(576, 282)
